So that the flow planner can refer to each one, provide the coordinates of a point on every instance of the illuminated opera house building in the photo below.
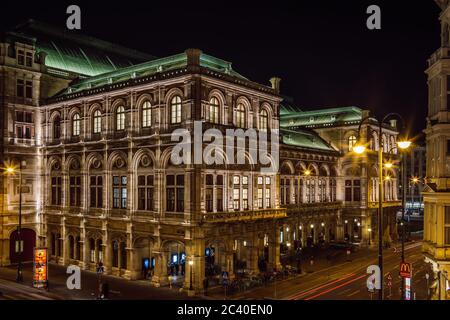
(86, 127)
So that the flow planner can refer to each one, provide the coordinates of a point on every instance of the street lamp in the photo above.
(370, 234)
(360, 149)
(191, 264)
(12, 170)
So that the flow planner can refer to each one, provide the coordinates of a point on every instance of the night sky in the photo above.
(322, 50)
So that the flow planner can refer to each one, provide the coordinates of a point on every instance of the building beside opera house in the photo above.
(92, 123)
(436, 194)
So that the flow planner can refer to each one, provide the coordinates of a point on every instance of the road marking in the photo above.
(335, 288)
(301, 294)
(354, 293)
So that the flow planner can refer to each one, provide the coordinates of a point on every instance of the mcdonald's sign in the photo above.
(405, 270)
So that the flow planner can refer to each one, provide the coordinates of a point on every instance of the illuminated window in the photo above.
(146, 115)
(119, 192)
(175, 110)
(97, 121)
(76, 125)
(263, 120)
(240, 116)
(212, 111)
(120, 118)
(351, 143)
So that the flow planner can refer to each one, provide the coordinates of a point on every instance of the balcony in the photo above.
(386, 204)
(313, 207)
(234, 216)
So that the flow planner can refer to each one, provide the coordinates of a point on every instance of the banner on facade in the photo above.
(40, 268)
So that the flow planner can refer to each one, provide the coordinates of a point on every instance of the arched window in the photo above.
(76, 123)
(212, 111)
(146, 114)
(351, 143)
(120, 118)
(175, 110)
(97, 125)
(263, 120)
(57, 127)
(240, 116)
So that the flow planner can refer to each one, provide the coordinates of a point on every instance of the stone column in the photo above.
(274, 249)
(195, 251)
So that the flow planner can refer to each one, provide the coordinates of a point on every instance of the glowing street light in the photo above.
(359, 149)
(10, 170)
(388, 165)
(307, 172)
(405, 144)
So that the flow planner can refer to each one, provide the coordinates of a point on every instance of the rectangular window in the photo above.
(245, 199)
(20, 88)
(175, 193)
(21, 57)
(119, 192)
(75, 191)
(219, 199)
(29, 89)
(356, 190)
(145, 192)
(29, 59)
(56, 191)
(27, 133)
(20, 132)
(236, 198)
(96, 192)
(20, 116)
(348, 190)
(260, 198)
(209, 200)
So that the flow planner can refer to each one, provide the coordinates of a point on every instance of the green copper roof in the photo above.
(321, 117)
(73, 52)
(304, 139)
(149, 68)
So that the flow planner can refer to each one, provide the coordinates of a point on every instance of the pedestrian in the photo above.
(348, 255)
(205, 285)
(170, 281)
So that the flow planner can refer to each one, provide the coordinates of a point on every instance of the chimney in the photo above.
(193, 57)
(275, 81)
(365, 114)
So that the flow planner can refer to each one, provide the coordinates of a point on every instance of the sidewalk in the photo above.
(120, 289)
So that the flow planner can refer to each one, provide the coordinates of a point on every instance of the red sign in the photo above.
(405, 270)
(40, 271)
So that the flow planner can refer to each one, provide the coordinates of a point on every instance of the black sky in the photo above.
(321, 49)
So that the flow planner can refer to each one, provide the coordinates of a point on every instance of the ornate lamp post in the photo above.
(13, 170)
(360, 148)
(191, 264)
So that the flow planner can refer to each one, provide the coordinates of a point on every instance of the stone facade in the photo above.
(436, 194)
(103, 187)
